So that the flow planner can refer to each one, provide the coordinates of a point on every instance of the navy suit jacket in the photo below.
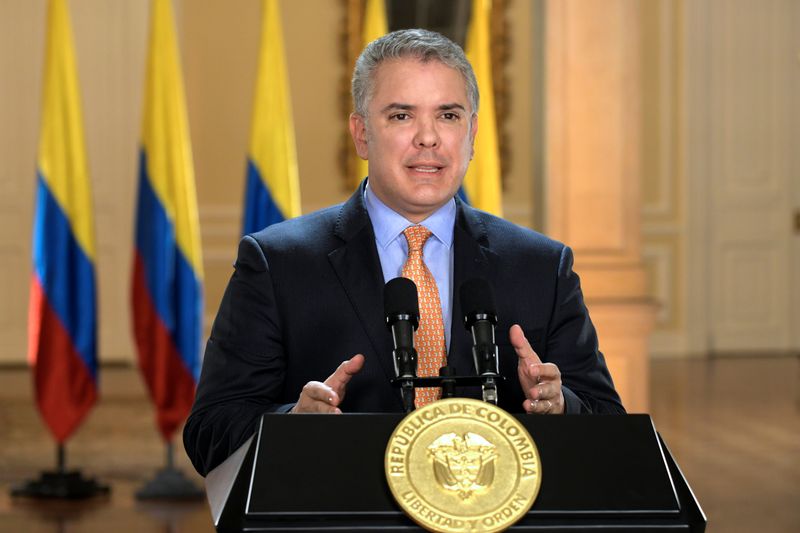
(307, 294)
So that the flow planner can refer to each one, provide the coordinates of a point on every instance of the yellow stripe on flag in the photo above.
(62, 149)
(375, 24)
(272, 144)
(165, 135)
(482, 182)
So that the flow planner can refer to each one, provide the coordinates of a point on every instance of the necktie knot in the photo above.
(416, 237)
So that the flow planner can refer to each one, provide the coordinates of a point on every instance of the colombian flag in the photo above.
(482, 182)
(273, 188)
(375, 24)
(167, 271)
(62, 322)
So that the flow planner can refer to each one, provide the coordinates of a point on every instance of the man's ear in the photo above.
(358, 130)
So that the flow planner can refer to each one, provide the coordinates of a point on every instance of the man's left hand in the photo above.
(541, 382)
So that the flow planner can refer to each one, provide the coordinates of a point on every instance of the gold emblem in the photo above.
(462, 465)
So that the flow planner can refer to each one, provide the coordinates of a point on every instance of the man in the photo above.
(308, 293)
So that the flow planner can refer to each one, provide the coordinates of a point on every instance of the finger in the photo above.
(538, 407)
(540, 392)
(314, 406)
(317, 397)
(522, 346)
(545, 390)
(314, 391)
(345, 372)
(544, 372)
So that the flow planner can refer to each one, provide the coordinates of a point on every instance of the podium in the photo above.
(303, 473)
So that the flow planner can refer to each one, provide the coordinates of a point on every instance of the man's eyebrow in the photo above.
(394, 105)
(408, 107)
(447, 107)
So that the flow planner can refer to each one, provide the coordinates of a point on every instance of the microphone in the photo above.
(480, 318)
(401, 308)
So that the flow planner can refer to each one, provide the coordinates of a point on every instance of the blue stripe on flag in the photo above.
(260, 209)
(66, 274)
(171, 281)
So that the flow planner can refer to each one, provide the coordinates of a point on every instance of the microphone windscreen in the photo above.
(400, 298)
(477, 297)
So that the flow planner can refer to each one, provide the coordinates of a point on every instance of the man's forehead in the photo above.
(411, 63)
(403, 72)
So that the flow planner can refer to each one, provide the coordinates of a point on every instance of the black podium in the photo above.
(325, 473)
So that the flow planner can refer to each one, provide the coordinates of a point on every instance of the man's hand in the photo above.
(541, 382)
(326, 397)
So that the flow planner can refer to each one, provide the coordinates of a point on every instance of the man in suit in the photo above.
(307, 294)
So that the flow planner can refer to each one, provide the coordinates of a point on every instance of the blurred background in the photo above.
(657, 138)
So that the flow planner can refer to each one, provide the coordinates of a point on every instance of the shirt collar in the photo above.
(388, 224)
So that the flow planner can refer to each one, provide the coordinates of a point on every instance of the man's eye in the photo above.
(450, 116)
(399, 116)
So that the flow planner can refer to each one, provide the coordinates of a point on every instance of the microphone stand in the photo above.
(489, 388)
(405, 362)
(448, 375)
(409, 394)
(448, 380)
(484, 355)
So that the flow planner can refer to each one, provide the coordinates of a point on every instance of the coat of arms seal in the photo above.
(462, 465)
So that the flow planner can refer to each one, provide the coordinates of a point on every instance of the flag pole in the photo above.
(169, 483)
(60, 483)
(60, 458)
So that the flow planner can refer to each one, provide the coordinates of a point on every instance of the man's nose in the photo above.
(427, 135)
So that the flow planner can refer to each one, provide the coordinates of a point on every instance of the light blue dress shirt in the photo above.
(437, 252)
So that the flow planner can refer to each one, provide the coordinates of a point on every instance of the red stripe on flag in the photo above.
(64, 387)
(170, 382)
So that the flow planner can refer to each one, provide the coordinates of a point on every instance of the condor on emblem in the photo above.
(463, 463)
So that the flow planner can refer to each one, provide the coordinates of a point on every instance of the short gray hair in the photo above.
(421, 44)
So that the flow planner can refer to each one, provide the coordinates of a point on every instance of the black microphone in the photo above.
(401, 308)
(480, 318)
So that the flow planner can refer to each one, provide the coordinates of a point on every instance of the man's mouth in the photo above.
(425, 168)
(430, 165)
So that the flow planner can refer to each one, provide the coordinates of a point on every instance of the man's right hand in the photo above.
(326, 397)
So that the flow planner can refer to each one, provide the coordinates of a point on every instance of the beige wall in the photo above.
(719, 174)
(21, 49)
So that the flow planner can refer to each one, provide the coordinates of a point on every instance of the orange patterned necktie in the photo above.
(429, 339)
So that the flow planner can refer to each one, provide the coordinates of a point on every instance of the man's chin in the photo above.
(422, 208)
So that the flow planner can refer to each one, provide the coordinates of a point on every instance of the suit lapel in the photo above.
(358, 268)
(472, 259)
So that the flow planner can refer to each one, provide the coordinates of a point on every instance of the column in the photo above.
(593, 141)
